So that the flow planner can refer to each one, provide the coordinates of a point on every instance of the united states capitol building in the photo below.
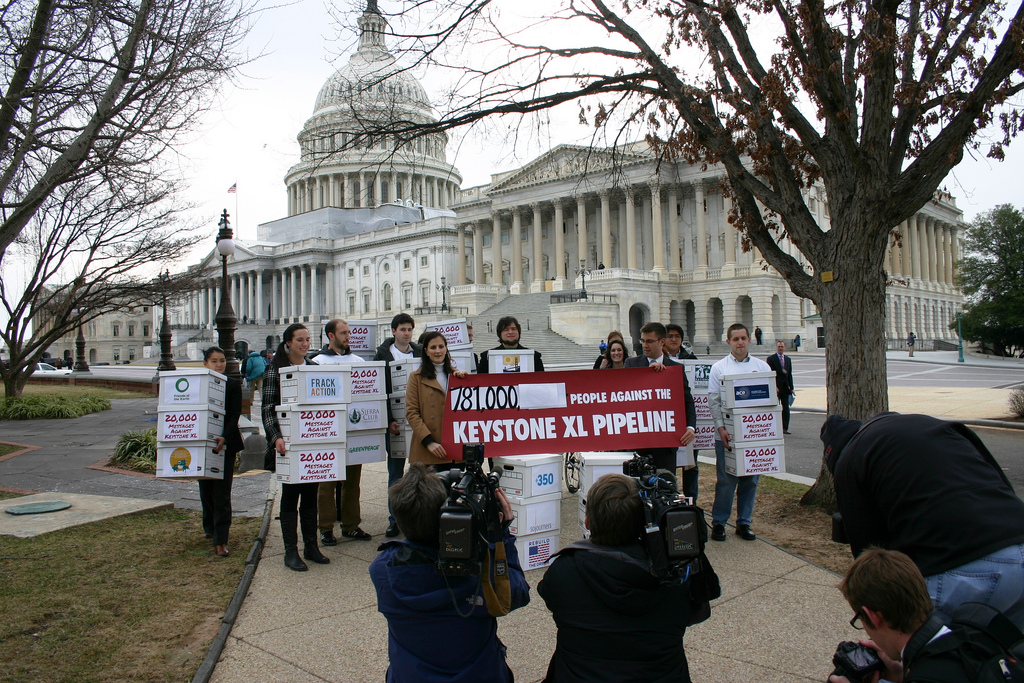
(372, 231)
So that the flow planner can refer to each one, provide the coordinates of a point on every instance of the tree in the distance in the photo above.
(876, 101)
(992, 277)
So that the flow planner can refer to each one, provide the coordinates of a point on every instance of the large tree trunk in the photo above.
(853, 313)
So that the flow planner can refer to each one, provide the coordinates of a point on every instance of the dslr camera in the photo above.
(470, 510)
(674, 531)
(855, 661)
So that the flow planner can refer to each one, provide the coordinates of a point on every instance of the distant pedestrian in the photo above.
(796, 343)
(757, 335)
(911, 339)
(255, 366)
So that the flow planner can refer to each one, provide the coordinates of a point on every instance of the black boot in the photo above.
(292, 560)
(310, 550)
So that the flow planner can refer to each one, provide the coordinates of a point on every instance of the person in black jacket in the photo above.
(616, 621)
(215, 494)
(509, 332)
(396, 348)
(932, 490)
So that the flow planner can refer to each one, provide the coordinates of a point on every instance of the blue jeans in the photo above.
(396, 468)
(996, 579)
(726, 487)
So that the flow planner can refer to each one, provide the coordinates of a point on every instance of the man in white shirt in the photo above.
(738, 361)
(338, 351)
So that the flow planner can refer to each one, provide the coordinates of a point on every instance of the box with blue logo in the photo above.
(749, 390)
(526, 476)
(535, 550)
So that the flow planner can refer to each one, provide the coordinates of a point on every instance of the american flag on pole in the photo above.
(233, 189)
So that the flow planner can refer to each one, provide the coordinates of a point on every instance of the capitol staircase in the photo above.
(533, 311)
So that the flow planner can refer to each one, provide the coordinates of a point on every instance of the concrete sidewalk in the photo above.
(779, 618)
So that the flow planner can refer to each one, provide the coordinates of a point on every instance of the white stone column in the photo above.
(516, 272)
(657, 232)
(606, 227)
(581, 231)
(929, 242)
(295, 277)
(496, 247)
(478, 252)
(460, 252)
(376, 188)
(261, 312)
(700, 220)
(304, 307)
(729, 230)
(906, 269)
(275, 294)
(948, 236)
(915, 249)
(314, 291)
(332, 290)
(673, 231)
(538, 257)
(559, 220)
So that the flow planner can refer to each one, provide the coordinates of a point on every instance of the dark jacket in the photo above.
(616, 622)
(482, 365)
(271, 400)
(927, 488)
(665, 458)
(232, 411)
(783, 375)
(934, 661)
(430, 638)
(384, 353)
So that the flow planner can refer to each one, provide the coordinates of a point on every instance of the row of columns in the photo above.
(926, 248)
(627, 231)
(368, 189)
(927, 318)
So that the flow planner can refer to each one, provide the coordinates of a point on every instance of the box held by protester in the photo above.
(365, 448)
(316, 384)
(312, 424)
(697, 374)
(199, 387)
(526, 476)
(313, 463)
(456, 332)
(189, 460)
(510, 360)
(536, 515)
(535, 550)
(367, 415)
(191, 424)
(749, 390)
(400, 444)
(367, 379)
(362, 336)
(463, 359)
(596, 464)
(752, 424)
(761, 458)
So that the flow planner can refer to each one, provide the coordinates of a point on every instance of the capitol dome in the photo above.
(343, 164)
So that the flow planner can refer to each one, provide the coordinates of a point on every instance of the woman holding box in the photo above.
(298, 501)
(215, 494)
(424, 402)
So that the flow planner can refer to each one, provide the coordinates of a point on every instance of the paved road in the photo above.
(803, 448)
(809, 371)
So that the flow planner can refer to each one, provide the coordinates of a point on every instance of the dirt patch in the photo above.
(779, 518)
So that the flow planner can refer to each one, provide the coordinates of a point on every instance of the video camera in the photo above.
(470, 510)
(674, 531)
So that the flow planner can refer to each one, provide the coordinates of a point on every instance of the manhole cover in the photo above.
(38, 508)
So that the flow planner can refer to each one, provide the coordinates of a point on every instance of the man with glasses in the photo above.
(738, 361)
(891, 605)
(674, 343)
(652, 338)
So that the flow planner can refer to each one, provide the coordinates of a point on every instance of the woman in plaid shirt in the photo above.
(298, 501)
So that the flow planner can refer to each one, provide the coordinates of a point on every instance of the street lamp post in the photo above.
(226, 320)
(166, 357)
(582, 272)
(443, 288)
(959, 338)
(81, 366)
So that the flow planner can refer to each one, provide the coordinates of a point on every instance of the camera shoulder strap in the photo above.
(497, 590)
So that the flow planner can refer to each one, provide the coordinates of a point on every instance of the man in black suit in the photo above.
(783, 368)
(652, 338)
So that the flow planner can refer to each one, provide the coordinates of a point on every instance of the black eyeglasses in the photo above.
(858, 621)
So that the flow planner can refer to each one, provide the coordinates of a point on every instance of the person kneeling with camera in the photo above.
(440, 626)
(617, 621)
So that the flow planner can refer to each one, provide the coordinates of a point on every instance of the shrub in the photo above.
(1017, 402)
(51, 406)
(136, 451)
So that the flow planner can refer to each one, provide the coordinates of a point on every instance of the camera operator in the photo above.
(616, 621)
(439, 627)
(890, 603)
(932, 490)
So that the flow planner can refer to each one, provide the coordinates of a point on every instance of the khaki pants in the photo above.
(327, 512)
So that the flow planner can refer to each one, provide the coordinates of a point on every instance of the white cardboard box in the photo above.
(312, 424)
(189, 460)
(701, 405)
(754, 425)
(762, 458)
(527, 476)
(369, 415)
(510, 360)
(749, 390)
(199, 387)
(540, 514)
(364, 448)
(697, 374)
(189, 424)
(307, 464)
(396, 402)
(582, 511)
(463, 359)
(367, 379)
(362, 336)
(596, 464)
(400, 374)
(316, 384)
(535, 551)
(400, 444)
(706, 433)
(456, 332)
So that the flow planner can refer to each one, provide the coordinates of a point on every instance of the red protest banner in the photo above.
(556, 412)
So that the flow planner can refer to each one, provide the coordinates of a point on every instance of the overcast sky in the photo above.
(248, 137)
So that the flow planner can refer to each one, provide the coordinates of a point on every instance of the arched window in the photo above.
(386, 296)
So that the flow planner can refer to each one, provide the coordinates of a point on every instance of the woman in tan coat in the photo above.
(424, 402)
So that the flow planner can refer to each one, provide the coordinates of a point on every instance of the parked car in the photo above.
(47, 369)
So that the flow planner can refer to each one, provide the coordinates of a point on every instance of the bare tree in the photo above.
(95, 251)
(102, 88)
(875, 100)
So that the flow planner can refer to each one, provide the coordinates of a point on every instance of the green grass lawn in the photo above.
(134, 598)
(73, 391)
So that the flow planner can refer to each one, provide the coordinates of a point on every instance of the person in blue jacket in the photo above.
(439, 627)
